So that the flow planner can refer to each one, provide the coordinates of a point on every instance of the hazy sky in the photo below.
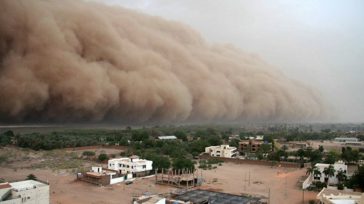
(319, 42)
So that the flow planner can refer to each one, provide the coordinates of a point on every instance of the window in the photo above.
(144, 166)
(119, 165)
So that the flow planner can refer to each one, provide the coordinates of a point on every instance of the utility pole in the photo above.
(249, 177)
(285, 192)
(303, 196)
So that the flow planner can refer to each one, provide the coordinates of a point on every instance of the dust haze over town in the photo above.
(193, 101)
(233, 61)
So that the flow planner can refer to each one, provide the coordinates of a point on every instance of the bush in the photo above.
(340, 186)
(88, 153)
(31, 177)
(3, 159)
(319, 185)
(103, 157)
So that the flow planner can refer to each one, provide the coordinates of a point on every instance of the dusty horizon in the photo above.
(76, 61)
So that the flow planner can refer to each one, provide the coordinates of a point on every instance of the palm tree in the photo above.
(309, 170)
(316, 173)
(341, 176)
(329, 172)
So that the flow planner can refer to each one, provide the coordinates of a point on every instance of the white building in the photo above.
(133, 165)
(330, 196)
(101, 176)
(222, 151)
(168, 137)
(28, 192)
(346, 139)
(338, 166)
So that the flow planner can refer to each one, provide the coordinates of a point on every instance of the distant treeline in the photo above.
(195, 138)
(179, 153)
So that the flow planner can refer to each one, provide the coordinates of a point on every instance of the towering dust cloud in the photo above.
(75, 61)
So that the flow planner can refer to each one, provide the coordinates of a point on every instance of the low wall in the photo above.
(307, 182)
(254, 162)
(116, 180)
(96, 147)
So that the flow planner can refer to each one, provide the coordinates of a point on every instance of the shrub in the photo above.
(103, 157)
(31, 177)
(340, 186)
(311, 201)
(88, 153)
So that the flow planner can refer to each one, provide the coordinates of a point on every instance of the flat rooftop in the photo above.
(203, 196)
(167, 137)
(26, 185)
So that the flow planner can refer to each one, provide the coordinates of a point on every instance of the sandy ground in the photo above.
(281, 182)
(230, 178)
(65, 190)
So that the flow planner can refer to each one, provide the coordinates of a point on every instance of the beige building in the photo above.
(331, 196)
(251, 146)
(222, 151)
(27, 192)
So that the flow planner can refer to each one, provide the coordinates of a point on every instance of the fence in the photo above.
(256, 162)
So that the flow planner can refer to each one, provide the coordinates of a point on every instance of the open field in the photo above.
(332, 146)
(65, 190)
(282, 182)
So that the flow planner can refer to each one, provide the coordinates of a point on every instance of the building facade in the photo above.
(103, 177)
(133, 165)
(338, 166)
(222, 151)
(346, 139)
(252, 146)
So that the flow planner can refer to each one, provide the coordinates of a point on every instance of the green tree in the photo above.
(310, 170)
(300, 153)
(181, 135)
(5, 138)
(316, 173)
(329, 172)
(234, 143)
(159, 161)
(265, 148)
(341, 176)
(331, 157)
(357, 180)
(183, 163)
(139, 135)
(103, 157)
(31, 177)
(349, 155)
(321, 148)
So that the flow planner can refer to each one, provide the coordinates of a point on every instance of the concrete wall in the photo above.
(254, 162)
(307, 182)
(116, 180)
